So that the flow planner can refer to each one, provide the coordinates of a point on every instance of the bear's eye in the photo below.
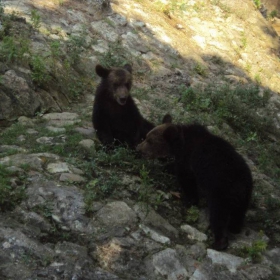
(127, 85)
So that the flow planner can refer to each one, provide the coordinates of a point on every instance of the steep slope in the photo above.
(70, 210)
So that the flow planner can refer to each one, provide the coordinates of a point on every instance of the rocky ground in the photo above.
(70, 210)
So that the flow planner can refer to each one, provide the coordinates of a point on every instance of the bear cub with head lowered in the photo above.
(209, 163)
(116, 117)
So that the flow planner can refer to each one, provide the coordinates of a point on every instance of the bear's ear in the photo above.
(167, 119)
(128, 68)
(171, 133)
(101, 71)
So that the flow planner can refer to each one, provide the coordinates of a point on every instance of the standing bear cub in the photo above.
(115, 117)
(210, 163)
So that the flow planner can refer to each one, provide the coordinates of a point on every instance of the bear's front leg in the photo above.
(188, 186)
(105, 136)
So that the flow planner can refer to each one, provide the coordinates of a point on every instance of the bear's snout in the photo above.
(122, 100)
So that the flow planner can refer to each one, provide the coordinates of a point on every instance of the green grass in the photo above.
(35, 19)
(254, 252)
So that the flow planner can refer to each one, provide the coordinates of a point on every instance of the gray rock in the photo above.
(87, 144)
(117, 214)
(45, 140)
(70, 177)
(61, 119)
(230, 261)
(105, 30)
(34, 161)
(273, 256)
(257, 272)
(58, 167)
(166, 263)
(193, 233)
(132, 40)
(150, 218)
(65, 204)
(154, 235)
(56, 129)
(6, 148)
(20, 99)
(87, 131)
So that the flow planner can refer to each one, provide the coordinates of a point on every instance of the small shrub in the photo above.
(35, 19)
(200, 69)
(75, 46)
(258, 3)
(8, 49)
(192, 215)
(254, 252)
(39, 70)
(115, 56)
(273, 14)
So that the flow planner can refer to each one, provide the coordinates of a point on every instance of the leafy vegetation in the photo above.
(192, 215)
(254, 252)
(35, 19)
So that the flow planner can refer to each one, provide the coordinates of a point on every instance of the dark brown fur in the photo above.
(208, 162)
(115, 117)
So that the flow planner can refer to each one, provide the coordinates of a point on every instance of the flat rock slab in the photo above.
(70, 177)
(117, 214)
(66, 203)
(150, 218)
(230, 261)
(87, 144)
(155, 235)
(33, 161)
(87, 131)
(166, 263)
(193, 233)
(58, 167)
(61, 119)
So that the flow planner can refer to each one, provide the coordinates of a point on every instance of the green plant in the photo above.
(200, 69)
(258, 79)
(192, 215)
(254, 252)
(75, 46)
(258, 3)
(39, 70)
(115, 56)
(35, 19)
(9, 136)
(8, 49)
(90, 194)
(273, 14)
(55, 47)
(145, 187)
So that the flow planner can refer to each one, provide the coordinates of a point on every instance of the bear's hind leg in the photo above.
(219, 218)
(237, 220)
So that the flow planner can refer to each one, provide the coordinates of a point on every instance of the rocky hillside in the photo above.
(70, 210)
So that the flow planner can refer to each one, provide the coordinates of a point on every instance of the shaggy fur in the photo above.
(115, 117)
(211, 163)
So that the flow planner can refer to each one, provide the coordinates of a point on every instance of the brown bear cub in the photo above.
(115, 117)
(211, 163)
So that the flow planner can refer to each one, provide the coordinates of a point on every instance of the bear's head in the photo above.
(158, 142)
(118, 81)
